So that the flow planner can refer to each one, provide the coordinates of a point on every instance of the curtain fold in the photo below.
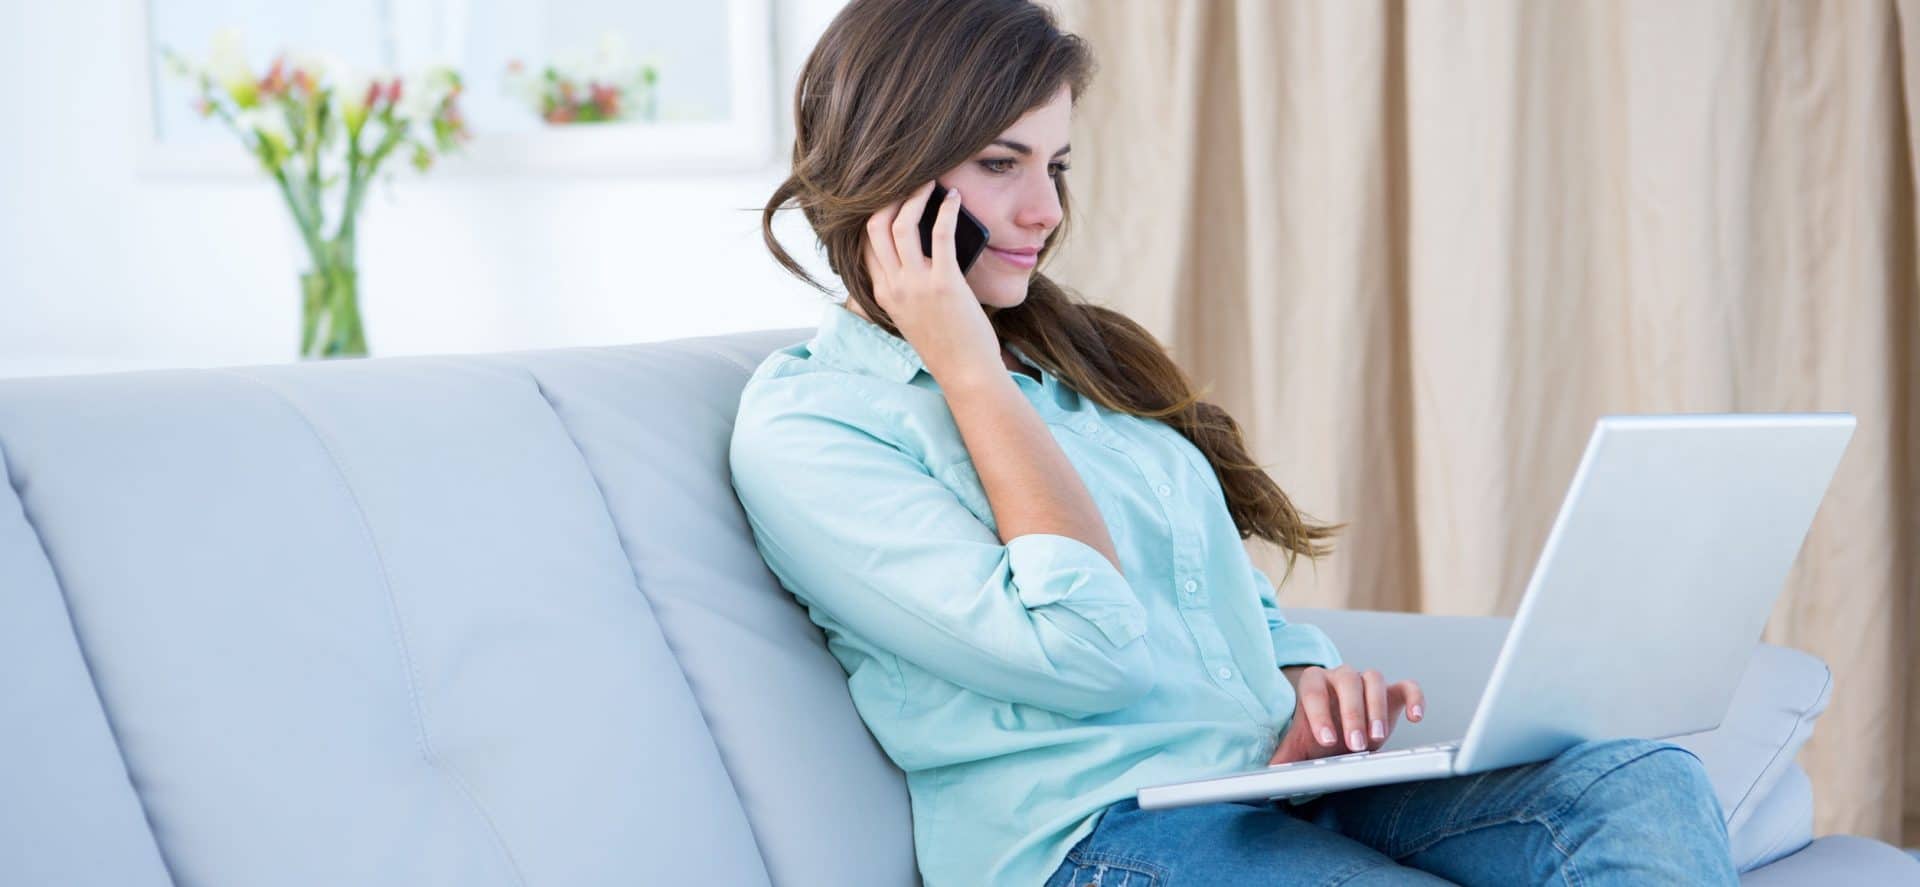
(1417, 249)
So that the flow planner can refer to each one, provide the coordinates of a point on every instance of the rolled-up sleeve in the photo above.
(1294, 643)
(860, 530)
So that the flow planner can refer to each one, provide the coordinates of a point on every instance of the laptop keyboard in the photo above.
(1369, 755)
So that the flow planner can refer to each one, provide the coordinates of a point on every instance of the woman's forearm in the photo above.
(1030, 484)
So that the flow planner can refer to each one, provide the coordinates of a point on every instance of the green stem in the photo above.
(357, 185)
(309, 228)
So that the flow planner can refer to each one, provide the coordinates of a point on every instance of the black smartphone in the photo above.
(969, 236)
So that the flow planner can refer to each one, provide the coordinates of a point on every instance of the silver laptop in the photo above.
(1665, 560)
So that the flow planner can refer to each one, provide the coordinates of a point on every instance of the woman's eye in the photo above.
(997, 165)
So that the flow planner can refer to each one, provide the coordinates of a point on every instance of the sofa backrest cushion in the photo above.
(453, 619)
(70, 815)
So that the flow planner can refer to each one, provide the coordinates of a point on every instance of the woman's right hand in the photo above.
(1343, 711)
(928, 298)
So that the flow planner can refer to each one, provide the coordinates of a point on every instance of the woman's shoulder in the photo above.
(791, 384)
(791, 391)
(790, 379)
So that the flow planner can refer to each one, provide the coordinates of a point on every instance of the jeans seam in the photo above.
(1548, 819)
(1447, 831)
(1360, 868)
(1084, 857)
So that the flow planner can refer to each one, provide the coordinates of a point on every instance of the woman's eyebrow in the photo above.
(1023, 150)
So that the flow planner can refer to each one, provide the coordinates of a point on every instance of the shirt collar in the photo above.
(852, 342)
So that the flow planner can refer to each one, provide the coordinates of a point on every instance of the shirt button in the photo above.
(1225, 672)
(1164, 490)
(1090, 427)
(1191, 585)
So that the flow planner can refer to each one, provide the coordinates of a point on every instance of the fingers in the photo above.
(880, 238)
(943, 226)
(1313, 701)
(1379, 720)
(906, 227)
(875, 273)
(1350, 693)
(1415, 699)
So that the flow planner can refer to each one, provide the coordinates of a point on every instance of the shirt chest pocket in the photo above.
(1185, 453)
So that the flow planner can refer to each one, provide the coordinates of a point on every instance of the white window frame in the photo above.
(743, 142)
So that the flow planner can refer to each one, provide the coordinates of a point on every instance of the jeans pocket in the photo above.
(1096, 869)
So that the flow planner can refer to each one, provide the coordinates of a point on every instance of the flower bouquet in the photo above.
(607, 85)
(314, 124)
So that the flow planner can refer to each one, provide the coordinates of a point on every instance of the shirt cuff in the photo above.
(1053, 569)
(1297, 643)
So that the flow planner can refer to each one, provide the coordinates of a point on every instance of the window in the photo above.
(710, 106)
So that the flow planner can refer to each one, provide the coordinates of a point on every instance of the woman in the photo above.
(1022, 532)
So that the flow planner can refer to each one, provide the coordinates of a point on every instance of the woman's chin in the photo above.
(1003, 293)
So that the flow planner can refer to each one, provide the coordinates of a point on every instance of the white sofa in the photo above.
(497, 619)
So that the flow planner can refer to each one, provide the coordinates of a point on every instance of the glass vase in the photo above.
(330, 314)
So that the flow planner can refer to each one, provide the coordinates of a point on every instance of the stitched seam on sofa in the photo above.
(398, 625)
(723, 354)
(1772, 852)
(86, 662)
(1781, 746)
(639, 587)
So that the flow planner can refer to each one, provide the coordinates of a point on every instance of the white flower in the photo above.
(228, 64)
(326, 68)
(572, 65)
(422, 92)
(350, 87)
(611, 62)
(268, 123)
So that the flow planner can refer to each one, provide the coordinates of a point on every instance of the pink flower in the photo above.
(605, 98)
(275, 82)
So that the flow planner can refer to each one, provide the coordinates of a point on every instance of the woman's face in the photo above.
(1009, 187)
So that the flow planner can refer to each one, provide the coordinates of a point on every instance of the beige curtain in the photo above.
(1417, 249)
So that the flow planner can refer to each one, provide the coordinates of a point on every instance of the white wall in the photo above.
(102, 270)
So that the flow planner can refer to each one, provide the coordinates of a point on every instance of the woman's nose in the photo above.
(1039, 206)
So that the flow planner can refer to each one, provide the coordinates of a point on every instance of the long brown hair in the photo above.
(871, 123)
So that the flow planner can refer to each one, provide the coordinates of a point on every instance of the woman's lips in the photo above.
(1017, 260)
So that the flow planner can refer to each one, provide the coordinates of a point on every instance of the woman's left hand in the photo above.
(1341, 711)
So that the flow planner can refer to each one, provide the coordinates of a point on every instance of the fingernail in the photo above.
(1326, 735)
(1379, 730)
(1415, 712)
(956, 194)
(1356, 741)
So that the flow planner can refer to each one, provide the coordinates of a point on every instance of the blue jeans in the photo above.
(1624, 811)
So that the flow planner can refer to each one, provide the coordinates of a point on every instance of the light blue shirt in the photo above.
(1022, 687)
